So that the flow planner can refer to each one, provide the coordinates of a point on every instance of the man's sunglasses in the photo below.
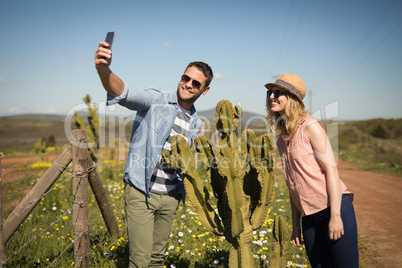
(277, 93)
(195, 84)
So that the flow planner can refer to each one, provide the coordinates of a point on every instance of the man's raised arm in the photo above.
(113, 85)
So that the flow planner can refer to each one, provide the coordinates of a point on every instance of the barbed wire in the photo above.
(71, 174)
(53, 223)
(35, 201)
(36, 236)
(61, 254)
(81, 258)
(72, 243)
(32, 159)
(62, 169)
(90, 139)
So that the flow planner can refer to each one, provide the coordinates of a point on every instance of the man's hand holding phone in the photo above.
(103, 55)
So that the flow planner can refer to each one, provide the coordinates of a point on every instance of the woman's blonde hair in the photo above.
(286, 125)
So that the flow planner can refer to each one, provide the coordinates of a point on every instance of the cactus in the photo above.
(281, 236)
(40, 148)
(241, 176)
(92, 128)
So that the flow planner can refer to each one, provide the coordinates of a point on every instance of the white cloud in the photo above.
(13, 110)
(31, 110)
(167, 44)
(219, 76)
(2, 80)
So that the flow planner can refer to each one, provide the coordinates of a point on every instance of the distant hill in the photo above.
(205, 115)
(210, 115)
(20, 132)
(248, 119)
(42, 117)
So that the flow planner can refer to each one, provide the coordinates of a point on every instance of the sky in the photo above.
(349, 53)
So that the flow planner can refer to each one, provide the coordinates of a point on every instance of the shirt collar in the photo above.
(173, 99)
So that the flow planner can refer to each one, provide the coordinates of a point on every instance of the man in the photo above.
(152, 193)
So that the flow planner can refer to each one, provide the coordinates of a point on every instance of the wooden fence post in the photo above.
(101, 199)
(80, 199)
(29, 202)
(2, 252)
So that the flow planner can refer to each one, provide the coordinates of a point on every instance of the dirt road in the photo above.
(378, 206)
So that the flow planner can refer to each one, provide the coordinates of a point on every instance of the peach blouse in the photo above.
(304, 174)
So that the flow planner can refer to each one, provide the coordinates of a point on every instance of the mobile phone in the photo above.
(109, 39)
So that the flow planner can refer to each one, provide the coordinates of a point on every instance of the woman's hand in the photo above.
(296, 237)
(335, 228)
(296, 234)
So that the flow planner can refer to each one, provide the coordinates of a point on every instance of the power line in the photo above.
(286, 32)
(364, 38)
(297, 31)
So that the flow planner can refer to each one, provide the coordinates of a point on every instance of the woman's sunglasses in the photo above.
(277, 93)
(195, 84)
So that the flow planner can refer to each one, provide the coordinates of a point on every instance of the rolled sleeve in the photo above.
(115, 100)
(136, 100)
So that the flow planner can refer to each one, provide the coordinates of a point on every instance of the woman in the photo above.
(317, 196)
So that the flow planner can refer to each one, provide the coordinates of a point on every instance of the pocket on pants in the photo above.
(136, 206)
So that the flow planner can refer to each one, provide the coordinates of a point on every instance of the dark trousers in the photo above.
(321, 251)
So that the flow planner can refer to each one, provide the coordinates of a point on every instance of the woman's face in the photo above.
(278, 104)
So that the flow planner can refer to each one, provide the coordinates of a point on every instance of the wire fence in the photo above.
(41, 234)
(66, 176)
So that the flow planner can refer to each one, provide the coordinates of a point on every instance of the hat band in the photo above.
(290, 87)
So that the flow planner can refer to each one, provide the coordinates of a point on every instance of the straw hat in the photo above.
(292, 84)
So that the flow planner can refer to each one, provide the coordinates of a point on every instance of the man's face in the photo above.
(190, 87)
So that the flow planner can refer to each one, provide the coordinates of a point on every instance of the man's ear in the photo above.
(205, 91)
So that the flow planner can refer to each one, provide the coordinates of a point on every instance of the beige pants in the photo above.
(149, 224)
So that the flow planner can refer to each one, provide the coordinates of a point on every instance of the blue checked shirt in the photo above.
(156, 112)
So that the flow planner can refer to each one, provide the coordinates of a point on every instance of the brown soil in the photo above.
(14, 168)
(378, 203)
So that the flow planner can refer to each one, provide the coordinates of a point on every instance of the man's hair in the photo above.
(204, 68)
